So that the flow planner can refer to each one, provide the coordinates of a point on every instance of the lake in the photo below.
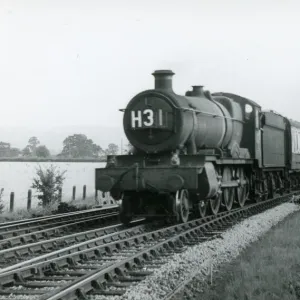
(17, 177)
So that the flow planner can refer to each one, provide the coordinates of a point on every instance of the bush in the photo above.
(48, 183)
(64, 207)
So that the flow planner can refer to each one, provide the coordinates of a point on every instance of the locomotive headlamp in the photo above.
(175, 160)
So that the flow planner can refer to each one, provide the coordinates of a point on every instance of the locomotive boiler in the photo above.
(158, 120)
(197, 153)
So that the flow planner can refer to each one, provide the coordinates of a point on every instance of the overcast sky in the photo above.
(65, 63)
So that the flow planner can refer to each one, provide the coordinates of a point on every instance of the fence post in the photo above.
(59, 194)
(96, 197)
(29, 199)
(12, 200)
(84, 192)
(74, 193)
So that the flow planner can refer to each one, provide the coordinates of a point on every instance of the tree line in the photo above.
(74, 146)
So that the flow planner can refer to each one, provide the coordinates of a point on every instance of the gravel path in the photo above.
(199, 259)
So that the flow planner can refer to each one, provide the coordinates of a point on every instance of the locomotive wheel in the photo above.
(214, 204)
(125, 211)
(242, 191)
(182, 206)
(228, 193)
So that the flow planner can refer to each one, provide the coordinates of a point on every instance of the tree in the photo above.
(14, 152)
(78, 145)
(7, 151)
(112, 149)
(48, 183)
(32, 143)
(26, 151)
(4, 149)
(42, 151)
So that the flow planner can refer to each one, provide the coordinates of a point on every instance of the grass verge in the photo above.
(90, 202)
(39, 211)
(268, 269)
(23, 213)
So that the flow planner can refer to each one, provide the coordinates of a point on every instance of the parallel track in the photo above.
(30, 250)
(110, 268)
(16, 229)
(69, 244)
(61, 215)
(58, 231)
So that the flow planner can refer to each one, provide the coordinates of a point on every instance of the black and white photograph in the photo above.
(149, 150)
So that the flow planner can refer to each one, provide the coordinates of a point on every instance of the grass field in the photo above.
(269, 269)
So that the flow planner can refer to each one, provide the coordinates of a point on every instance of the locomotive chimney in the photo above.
(163, 79)
(198, 91)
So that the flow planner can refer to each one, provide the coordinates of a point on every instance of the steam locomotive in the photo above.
(196, 154)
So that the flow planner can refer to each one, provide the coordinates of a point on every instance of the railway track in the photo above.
(33, 225)
(112, 267)
(58, 231)
(64, 244)
(173, 294)
(20, 256)
(57, 216)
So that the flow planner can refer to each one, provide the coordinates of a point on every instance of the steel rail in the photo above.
(84, 266)
(38, 232)
(29, 251)
(44, 219)
(49, 219)
(21, 232)
(131, 269)
(15, 222)
(61, 215)
(85, 240)
(110, 240)
(178, 288)
(31, 237)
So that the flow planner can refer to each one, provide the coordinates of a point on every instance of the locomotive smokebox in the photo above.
(163, 80)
